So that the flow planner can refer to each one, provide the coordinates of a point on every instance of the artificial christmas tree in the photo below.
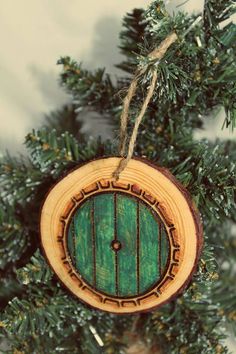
(195, 77)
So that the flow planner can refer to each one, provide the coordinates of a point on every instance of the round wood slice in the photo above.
(121, 246)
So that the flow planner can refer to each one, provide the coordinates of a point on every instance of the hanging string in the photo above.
(156, 54)
(125, 115)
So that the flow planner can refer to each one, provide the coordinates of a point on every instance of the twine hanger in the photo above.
(157, 54)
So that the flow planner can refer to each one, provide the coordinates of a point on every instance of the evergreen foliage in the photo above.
(196, 78)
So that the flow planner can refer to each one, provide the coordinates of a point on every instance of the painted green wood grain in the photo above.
(164, 249)
(83, 241)
(126, 216)
(149, 248)
(144, 249)
(104, 235)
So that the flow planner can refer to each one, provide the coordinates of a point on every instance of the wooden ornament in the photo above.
(121, 246)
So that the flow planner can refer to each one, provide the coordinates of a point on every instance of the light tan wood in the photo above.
(161, 191)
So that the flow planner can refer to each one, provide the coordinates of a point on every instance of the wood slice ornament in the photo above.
(120, 233)
(121, 246)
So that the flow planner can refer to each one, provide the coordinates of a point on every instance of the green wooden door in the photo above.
(118, 245)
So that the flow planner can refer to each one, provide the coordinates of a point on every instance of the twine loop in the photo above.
(157, 54)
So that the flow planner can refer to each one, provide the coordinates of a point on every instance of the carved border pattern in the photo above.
(157, 206)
